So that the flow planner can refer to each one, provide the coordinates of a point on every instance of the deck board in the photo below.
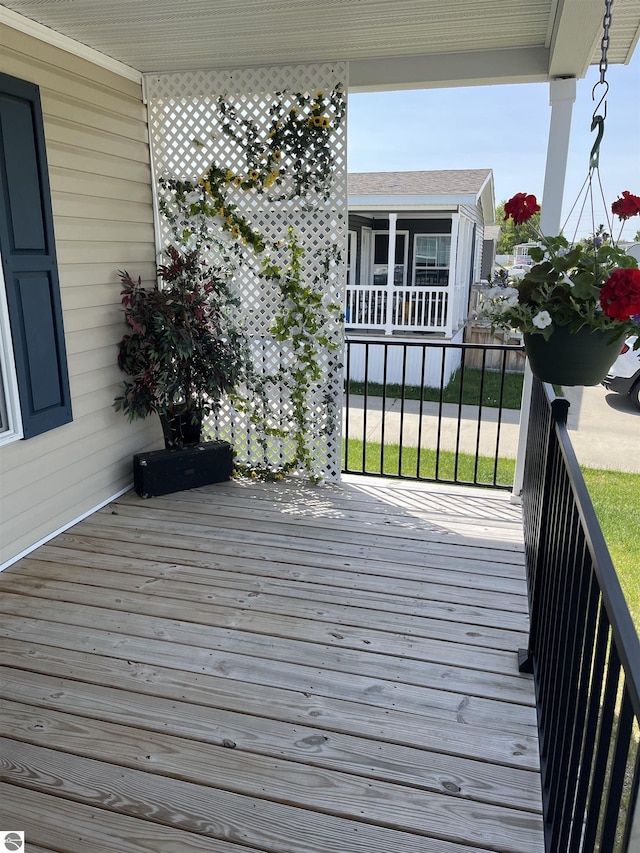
(273, 667)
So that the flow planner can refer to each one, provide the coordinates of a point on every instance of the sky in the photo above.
(505, 128)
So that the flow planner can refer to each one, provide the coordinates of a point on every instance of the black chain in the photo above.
(597, 120)
(604, 44)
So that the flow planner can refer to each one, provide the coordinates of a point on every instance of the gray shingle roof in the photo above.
(444, 182)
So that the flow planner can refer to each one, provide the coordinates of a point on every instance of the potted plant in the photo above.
(183, 349)
(575, 304)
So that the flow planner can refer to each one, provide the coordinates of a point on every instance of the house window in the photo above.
(431, 259)
(35, 382)
(381, 258)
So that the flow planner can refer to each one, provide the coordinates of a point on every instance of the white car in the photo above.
(624, 374)
(518, 272)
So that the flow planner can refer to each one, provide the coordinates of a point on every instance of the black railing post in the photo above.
(538, 486)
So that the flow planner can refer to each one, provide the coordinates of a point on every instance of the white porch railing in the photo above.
(411, 309)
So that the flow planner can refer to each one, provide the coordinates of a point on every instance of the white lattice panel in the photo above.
(186, 138)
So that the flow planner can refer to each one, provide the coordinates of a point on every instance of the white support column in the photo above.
(562, 94)
(453, 271)
(391, 266)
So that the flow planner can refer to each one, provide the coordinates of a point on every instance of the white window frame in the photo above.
(366, 256)
(405, 262)
(352, 248)
(415, 256)
(9, 397)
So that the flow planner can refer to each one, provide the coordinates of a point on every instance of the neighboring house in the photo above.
(435, 221)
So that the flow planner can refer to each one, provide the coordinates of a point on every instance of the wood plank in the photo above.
(204, 642)
(394, 725)
(224, 815)
(392, 529)
(319, 747)
(259, 576)
(191, 547)
(38, 576)
(391, 642)
(71, 826)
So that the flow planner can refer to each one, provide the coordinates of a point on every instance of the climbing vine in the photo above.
(289, 157)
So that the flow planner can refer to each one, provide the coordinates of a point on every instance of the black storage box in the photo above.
(164, 471)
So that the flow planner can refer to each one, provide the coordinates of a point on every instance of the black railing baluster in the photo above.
(365, 408)
(383, 423)
(421, 411)
(403, 386)
(440, 411)
(347, 404)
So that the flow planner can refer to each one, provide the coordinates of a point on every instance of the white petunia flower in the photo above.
(542, 320)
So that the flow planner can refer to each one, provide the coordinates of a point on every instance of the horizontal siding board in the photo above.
(94, 380)
(107, 209)
(87, 362)
(68, 157)
(67, 180)
(83, 229)
(84, 341)
(92, 296)
(72, 252)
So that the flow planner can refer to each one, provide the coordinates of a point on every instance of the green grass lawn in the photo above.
(616, 499)
(391, 464)
(491, 389)
(615, 496)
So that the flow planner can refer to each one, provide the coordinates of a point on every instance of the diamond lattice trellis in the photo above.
(186, 138)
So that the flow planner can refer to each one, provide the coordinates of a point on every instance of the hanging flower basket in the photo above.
(581, 358)
(592, 287)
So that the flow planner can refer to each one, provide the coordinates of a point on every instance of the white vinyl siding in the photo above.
(96, 140)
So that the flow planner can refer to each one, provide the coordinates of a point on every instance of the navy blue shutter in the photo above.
(27, 246)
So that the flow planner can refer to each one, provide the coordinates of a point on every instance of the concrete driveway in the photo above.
(604, 427)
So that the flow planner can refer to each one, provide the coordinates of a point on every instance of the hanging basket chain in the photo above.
(597, 120)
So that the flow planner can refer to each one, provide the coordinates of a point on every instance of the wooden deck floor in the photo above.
(278, 668)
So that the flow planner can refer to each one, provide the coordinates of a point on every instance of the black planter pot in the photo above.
(181, 430)
(582, 358)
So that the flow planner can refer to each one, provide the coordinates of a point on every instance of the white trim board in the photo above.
(39, 31)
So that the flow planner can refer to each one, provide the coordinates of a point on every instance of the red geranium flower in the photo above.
(620, 295)
(627, 206)
(521, 207)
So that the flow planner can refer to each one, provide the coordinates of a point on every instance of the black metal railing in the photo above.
(462, 432)
(583, 649)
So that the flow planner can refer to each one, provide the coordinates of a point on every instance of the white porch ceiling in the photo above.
(389, 43)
